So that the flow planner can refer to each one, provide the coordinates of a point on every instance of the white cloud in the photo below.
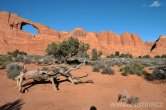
(155, 4)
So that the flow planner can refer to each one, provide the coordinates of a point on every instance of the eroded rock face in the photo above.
(149, 44)
(13, 37)
(159, 47)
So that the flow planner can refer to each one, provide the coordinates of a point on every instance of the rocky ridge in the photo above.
(13, 37)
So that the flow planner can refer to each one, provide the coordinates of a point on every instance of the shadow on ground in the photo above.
(16, 105)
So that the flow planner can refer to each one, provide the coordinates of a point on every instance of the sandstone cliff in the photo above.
(159, 47)
(13, 37)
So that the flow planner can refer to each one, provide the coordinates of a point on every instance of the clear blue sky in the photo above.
(147, 18)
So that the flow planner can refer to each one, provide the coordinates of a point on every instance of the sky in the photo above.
(147, 18)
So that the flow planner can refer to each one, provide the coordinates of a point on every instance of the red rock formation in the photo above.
(63, 34)
(13, 37)
(118, 41)
(127, 40)
(111, 39)
(159, 47)
(149, 44)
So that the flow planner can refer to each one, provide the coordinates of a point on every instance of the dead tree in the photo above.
(51, 75)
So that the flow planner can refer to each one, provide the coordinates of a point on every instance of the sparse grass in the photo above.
(133, 68)
(104, 67)
(108, 70)
(13, 70)
(96, 68)
(159, 73)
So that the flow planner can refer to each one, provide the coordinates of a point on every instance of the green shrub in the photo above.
(67, 48)
(16, 52)
(96, 54)
(24, 58)
(47, 60)
(116, 63)
(13, 70)
(118, 55)
(133, 68)
(96, 68)
(146, 56)
(107, 70)
(126, 55)
(92, 63)
(159, 73)
(5, 60)
(157, 56)
(163, 56)
(99, 65)
(104, 67)
(82, 51)
(147, 62)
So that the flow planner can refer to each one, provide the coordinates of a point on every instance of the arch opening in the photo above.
(29, 28)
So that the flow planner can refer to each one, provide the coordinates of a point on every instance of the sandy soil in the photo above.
(102, 94)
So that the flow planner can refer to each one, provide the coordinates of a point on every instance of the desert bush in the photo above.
(16, 52)
(104, 67)
(67, 48)
(47, 60)
(37, 59)
(96, 54)
(157, 56)
(158, 73)
(139, 56)
(5, 60)
(133, 68)
(152, 61)
(13, 70)
(107, 70)
(147, 62)
(116, 62)
(99, 65)
(163, 56)
(146, 56)
(159, 62)
(96, 68)
(133, 100)
(126, 55)
(24, 58)
(82, 50)
(118, 55)
(91, 62)
(110, 56)
(44, 68)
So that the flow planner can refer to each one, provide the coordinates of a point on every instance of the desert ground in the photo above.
(102, 94)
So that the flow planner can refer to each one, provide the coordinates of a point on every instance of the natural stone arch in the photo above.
(24, 24)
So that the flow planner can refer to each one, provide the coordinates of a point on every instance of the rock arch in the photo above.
(25, 23)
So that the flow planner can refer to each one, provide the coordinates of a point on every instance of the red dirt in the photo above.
(102, 94)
